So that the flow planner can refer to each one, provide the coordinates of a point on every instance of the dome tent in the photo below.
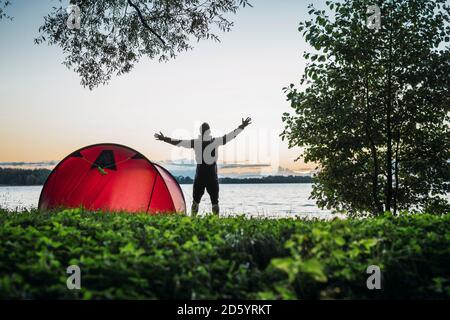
(111, 177)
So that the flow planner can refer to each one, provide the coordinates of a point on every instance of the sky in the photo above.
(46, 114)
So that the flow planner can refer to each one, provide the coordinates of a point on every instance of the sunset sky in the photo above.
(46, 114)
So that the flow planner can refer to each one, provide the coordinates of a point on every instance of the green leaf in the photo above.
(315, 269)
(287, 265)
(340, 241)
(369, 243)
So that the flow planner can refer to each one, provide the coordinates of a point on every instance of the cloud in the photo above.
(192, 163)
(239, 165)
(187, 167)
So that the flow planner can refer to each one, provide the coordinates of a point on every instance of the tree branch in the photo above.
(141, 17)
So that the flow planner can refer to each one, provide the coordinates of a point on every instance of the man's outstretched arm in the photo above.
(176, 142)
(233, 134)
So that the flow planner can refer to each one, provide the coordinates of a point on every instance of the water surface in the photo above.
(258, 200)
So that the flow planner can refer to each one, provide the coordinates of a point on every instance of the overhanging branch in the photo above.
(141, 17)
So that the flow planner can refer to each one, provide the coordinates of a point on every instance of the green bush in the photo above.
(140, 256)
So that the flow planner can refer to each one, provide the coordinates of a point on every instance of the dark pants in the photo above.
(206, 177)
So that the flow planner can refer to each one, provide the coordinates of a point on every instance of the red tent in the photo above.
(111, 177)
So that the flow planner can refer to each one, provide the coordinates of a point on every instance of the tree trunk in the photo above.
(388, 122)
(378, 208)
(397, 159)
(389, 152)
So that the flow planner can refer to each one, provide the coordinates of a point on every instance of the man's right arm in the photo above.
(176, 142)
(180, 143)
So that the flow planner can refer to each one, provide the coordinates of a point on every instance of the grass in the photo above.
(136, 256)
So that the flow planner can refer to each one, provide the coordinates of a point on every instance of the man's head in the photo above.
(204, 128)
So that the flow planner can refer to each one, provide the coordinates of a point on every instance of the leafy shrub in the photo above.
(135, 256)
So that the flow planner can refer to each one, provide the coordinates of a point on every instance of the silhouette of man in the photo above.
(205, 147)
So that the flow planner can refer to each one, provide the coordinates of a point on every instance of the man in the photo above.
(206, 155)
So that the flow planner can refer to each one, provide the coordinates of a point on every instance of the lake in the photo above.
(256, 200)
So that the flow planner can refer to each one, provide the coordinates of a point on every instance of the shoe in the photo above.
(194, 208)
(215, 209)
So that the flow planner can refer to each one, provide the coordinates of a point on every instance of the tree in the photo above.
(3, 5)
(373, 107)
(115, 34)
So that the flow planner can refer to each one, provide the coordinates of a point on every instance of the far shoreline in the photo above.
(184, 183)
(35, 177)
